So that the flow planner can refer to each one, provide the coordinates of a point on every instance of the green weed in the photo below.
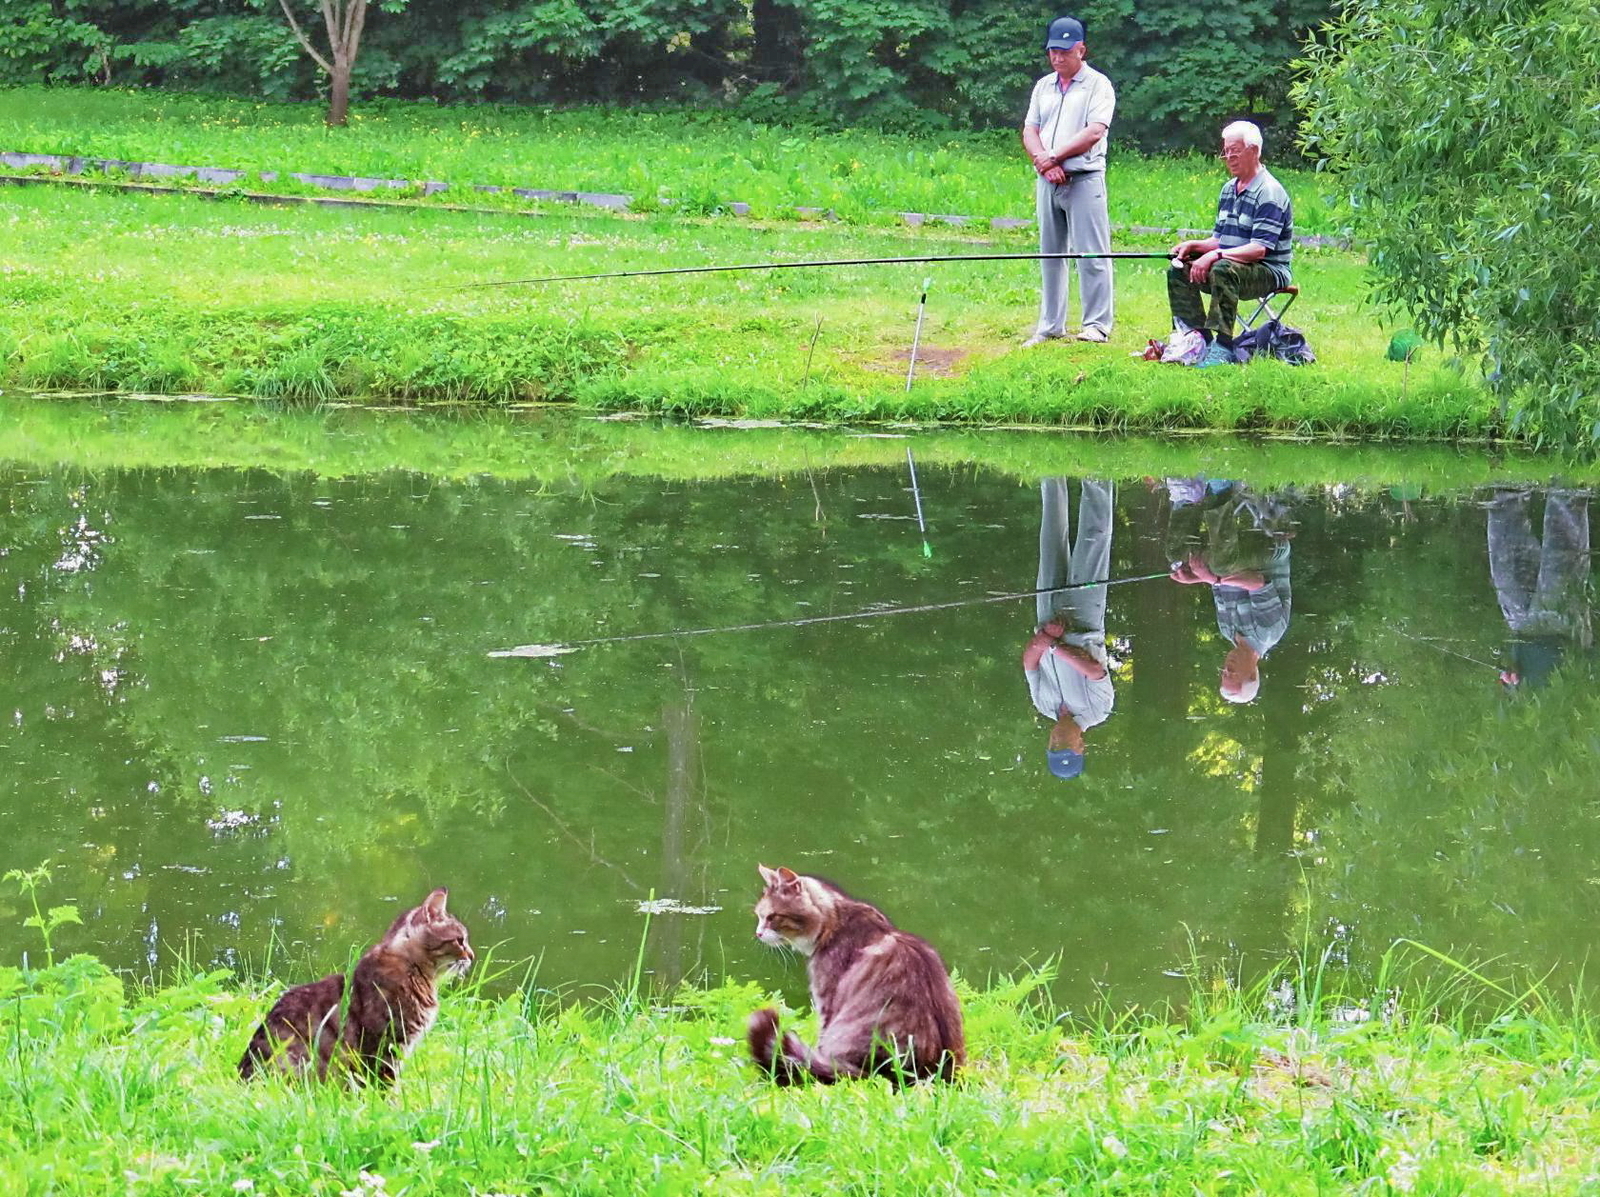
(46, 922)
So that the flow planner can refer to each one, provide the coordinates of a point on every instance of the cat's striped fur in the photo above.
(393, 999)
(884, 997)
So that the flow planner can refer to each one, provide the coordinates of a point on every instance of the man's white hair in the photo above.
(1246, 131)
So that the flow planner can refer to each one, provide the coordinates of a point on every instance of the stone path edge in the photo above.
(73, 165)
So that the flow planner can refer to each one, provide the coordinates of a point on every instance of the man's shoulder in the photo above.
(1271, 189)
(1090, 75)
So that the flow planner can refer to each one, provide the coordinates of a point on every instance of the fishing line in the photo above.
(1443, 649)
(556, 650)
(578, 278)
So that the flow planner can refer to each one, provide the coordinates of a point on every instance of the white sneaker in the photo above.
(1039, 338)
(1094, 334)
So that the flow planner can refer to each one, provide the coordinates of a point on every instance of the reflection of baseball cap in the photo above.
(1064, 33)
(1065, 763)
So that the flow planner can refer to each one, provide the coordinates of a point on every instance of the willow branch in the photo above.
(302, 39)
(358, 23)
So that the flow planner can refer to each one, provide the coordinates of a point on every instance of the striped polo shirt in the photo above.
(1260, 616)
(1061, 115)
(1261, 213)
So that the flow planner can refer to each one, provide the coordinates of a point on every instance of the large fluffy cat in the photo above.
(884, 997)
(393, 999)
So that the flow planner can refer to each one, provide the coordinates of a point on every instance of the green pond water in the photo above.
(249, 716)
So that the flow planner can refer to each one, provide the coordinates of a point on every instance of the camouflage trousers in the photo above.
(1227, 284)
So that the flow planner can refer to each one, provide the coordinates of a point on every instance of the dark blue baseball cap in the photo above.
(1064, 33)
(1065, 763)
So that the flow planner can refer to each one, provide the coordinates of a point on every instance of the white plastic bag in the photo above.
(1184, 348)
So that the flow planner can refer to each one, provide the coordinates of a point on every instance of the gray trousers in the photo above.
(1542, 581)
(1064, 562)
(1072, 219)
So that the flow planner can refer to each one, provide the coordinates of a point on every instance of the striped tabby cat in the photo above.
(885, 1000)
(392, 1000)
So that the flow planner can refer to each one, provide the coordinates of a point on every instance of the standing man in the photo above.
(1065, 660)
(1065, 135)
(1542, 581)
(1248, 253)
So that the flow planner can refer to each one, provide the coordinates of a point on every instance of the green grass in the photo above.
(1430, 1080)
(555, 447)
(702, 160)
(136, 293)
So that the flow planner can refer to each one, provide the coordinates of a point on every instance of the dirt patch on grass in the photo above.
(931, 360)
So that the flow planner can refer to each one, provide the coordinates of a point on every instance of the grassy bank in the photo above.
(1306, 1087)
(562, 448)
(701, 160)
(168, 294)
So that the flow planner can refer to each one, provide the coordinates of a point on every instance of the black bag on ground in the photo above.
(1273, 338)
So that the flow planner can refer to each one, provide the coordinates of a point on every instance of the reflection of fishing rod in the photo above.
(577, 278)
(916, 493)
(556, 650)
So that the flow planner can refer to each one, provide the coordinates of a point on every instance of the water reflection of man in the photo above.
(1065, 660)
(1542, 582)
(1225, 536)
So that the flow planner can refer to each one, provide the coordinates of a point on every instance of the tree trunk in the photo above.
(339, 94)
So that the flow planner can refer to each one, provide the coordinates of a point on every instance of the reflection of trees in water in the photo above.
(676, 939)
(891, 755)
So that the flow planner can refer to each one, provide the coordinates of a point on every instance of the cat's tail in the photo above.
(786, 1058)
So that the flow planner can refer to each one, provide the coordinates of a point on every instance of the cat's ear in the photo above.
(433, 905)
(788, 876)
(770, 876)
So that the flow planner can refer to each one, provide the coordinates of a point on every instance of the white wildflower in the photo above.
(243, 1185)
(1402, 1174)
(428, 1146)
(1114, 1146)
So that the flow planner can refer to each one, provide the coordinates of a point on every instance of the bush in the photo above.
(1464, 133)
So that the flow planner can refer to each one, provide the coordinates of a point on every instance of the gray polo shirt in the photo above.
(1060, 116)
(1056, 684)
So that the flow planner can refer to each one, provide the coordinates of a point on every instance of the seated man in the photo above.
(1247, 255)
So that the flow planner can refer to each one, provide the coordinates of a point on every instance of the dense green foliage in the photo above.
(310, 305)
(1465, 133)
(914, 65)
(703, 161)
(1295, 1091)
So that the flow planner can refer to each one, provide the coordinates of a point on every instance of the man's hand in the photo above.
(1055, 175)
(1201, 571)
(1185, 250)
(1033, 652)
(1200, 269)
(1044, 160)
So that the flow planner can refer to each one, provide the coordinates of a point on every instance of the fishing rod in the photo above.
(556, 650)
(579, 278)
